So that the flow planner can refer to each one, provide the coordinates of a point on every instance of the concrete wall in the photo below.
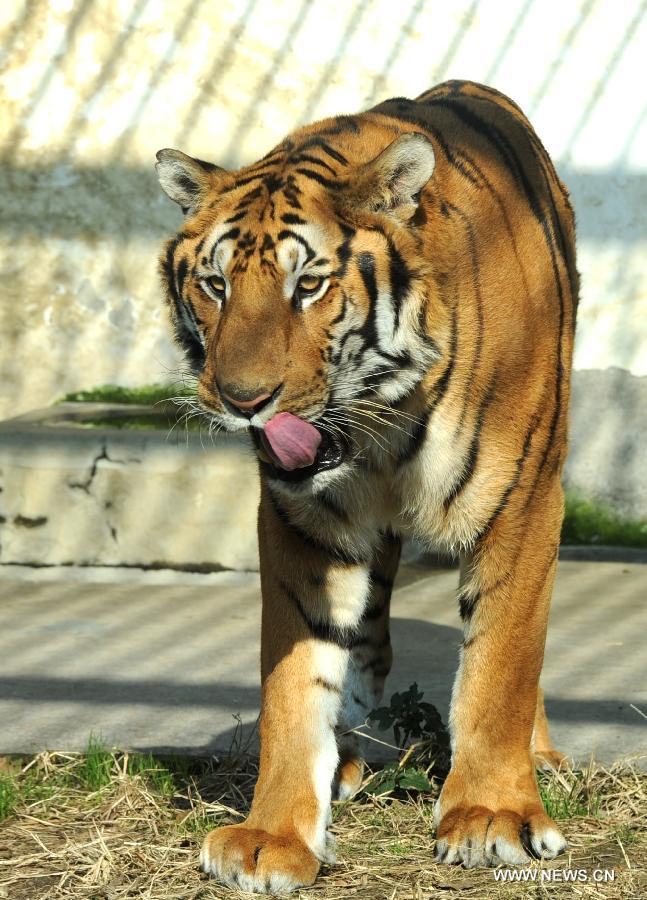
(90, 89)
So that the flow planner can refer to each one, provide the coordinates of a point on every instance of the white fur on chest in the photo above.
(425, 482)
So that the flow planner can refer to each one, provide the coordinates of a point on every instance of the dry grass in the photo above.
(110, 826)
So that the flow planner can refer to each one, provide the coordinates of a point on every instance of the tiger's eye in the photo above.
(309, 284)
(216, 284)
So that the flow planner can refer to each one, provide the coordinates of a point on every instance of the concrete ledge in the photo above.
(121, 497)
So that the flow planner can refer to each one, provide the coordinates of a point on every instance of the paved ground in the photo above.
(166, 661)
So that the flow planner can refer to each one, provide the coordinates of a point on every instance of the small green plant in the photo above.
(394, 777)
(153, 771)
(410, 717)
(8, 795)
(569, 796)
(95, 769)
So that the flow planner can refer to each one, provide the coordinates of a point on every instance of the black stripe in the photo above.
(344, 250)
(366, 641)
(441, 386)
(459, 160)
(332, 153)
(247, 198)
(323, 631)
(368, 331)
(519, 464)
(476, 284)
(285, 146)
(373, 612)
(185, 337)
(292, 219)
(469, 466)
(240, 182)
(326, 685)
(467, 605)
(342, 125)
(237, 216)
(310, 254)
(467, 472)
(501, 142)
(549, 177)
(331, 504)
(479, 181)
(494, 93)
(342, 313)
(366, 266)
(316, 176)
(380, 671)
(182, 269)
(306, 157)
(343, 557)
(400, 278)
(381, 580)
(230, 235)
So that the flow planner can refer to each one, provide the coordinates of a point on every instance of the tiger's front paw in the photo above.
(477, 836)
(254, 860)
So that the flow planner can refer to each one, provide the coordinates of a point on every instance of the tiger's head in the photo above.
(298, 291)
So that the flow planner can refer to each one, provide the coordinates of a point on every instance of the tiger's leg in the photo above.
(490, 811)
(314, 596)
(370, 663)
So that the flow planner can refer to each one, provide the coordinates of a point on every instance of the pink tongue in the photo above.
(293, 441)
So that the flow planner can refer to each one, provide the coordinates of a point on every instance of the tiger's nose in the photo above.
(249, 401)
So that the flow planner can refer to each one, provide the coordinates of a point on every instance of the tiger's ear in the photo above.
(184, 179)
(391, 183)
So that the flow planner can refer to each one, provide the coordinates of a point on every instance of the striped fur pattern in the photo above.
(405, 280)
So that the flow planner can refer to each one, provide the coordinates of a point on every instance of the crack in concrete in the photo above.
(103, 455)
(87, 484)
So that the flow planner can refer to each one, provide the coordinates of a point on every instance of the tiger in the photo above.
(385, 302)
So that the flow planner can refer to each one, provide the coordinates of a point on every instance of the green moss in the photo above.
(588, 522)
(146, 395)
(131, 422)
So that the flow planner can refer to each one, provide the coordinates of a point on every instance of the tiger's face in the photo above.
(299, 297)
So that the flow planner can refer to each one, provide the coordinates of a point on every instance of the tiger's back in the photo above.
(501, 234)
